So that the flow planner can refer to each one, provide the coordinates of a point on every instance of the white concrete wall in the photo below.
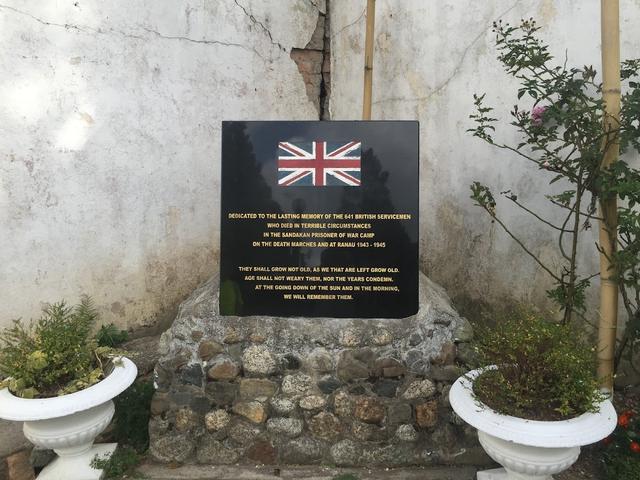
(430, 57)
(110, 141)
(110, 134)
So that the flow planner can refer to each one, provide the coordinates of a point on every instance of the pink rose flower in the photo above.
(536, 115)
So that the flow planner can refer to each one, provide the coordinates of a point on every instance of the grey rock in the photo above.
(189, 397)
(209, 348)
(464, 331)
(419, 389)
(297, 384)
(415, 339)
(369, 410)
(355, 364)
(159, 403)
(389, 367)
(217, 420)
(289, 427)
(258, 361)
(303, 450)
(329, 384)
(466, 354)
(282, 405)
(290, 362)
(325, 425)
(343, 404)
(158, 426)
(222, 394)
(186, 419)
(173, 447)
(233, 335)
(41, 457)
(386, 388)
(448, 373)
(145, 353)
(211, 451)
(392, 455)
(192, 375)
(253, 411)
(312, 402)
(398, 413)
(346, 453)
(243, 433)
(320, 360)
(223, 368)
(368, 432)
(406, 433)
(257, 388)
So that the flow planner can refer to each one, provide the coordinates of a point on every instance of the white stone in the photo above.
(257, 360)
(217, 420)
(282, 406)
(312, 402)
(291, 427)
(406, 433)
(297, 384)
(419, 389)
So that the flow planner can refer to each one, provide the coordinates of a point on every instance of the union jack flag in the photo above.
(319, 164)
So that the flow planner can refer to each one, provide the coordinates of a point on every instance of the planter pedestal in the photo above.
(528, 449)
(71, 437)
(523, 462)
(69, 424)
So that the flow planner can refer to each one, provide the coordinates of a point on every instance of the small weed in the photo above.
(111, 336)
(122, 463)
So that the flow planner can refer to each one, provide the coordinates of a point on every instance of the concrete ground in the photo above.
(204, 472)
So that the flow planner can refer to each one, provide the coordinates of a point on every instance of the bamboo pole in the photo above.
(610, 18)
(368, 60)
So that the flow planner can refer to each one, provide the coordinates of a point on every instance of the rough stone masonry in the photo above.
(349, 392)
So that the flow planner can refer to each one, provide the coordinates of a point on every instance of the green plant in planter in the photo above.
(543, 369)
(55, 355)
(559, 124)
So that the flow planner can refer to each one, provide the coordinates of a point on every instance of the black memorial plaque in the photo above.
(319, 219)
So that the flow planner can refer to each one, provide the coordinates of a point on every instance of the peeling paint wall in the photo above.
(110, 141)
(430, 57)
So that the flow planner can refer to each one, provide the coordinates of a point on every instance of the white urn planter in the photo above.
(70, 423)
(528, 449)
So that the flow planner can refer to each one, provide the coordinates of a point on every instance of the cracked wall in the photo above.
(110, 133)
(110, 140)
(314, 64)
(430, 57)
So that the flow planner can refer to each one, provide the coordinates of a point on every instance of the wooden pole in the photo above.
(610, 18)
(368, 60)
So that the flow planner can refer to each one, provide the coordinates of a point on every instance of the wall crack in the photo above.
(262, 26)
(456, 69)
(314, 64)
(111, 31)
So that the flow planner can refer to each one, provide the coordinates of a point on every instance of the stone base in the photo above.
(78, 467)
(272, 390)
(501, 474)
